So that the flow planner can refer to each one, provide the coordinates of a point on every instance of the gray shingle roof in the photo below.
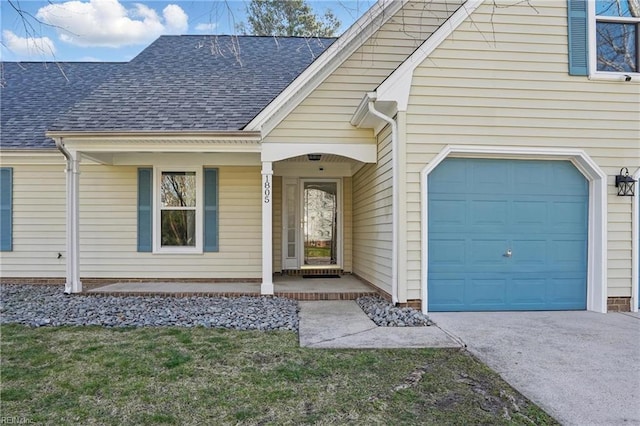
(194, 83)
(34, 94)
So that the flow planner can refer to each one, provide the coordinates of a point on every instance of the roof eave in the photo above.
(227, 135)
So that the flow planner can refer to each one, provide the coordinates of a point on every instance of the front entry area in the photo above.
(507, 235)
(311, 231)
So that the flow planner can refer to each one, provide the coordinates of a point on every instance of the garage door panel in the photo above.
(528, 293)
(569, 254)
(502, 205)
(444, 254)
(483, 177)
(567, 293)
(568, 217)
(450, 213)
(485, 253)
(488, 213)
(448, 292)
(529, 253)
(529, 213)
(484, 292)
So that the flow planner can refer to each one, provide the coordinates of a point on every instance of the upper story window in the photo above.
(617, 32)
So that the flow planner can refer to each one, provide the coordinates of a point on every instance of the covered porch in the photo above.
(346, 287)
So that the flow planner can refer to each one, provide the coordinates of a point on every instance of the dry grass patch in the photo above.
(92, 375)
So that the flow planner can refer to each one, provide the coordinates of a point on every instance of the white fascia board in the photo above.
(30, 156)
(324, 65)
(365, 153)
(397, 86)
(123, 145)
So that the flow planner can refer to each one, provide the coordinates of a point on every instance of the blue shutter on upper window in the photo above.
(578, 37)
(210, 210)
(6, 208)
(145, 212)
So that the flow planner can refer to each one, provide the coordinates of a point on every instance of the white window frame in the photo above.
(157, 239)
(593, 48)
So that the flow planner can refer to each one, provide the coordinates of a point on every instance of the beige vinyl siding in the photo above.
(108, 221)
(39, 225)
(501, 79)
(372, 218)
(323, 117)
(277, 224)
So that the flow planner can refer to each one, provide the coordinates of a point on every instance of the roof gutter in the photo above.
(395, 196)
(154, 134)
(72, 171)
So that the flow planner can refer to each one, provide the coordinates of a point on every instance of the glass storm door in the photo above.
(319, 223)
(290, 224)
(310, 223)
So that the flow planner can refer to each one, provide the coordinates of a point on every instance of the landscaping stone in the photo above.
(39, 306)
(385, 314)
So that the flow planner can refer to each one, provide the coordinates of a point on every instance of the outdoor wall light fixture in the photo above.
(625, 183)
(314, 157)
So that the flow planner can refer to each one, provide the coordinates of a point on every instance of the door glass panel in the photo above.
(320, 223)
(291, 220)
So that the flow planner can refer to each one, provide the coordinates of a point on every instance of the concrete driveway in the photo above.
(583, 368)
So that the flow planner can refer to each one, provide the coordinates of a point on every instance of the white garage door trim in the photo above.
(597, 247)
(635, 238)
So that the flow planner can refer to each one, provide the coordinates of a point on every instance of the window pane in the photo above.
(627, 8)
(178, 189)
(617, 47)
(178, 228)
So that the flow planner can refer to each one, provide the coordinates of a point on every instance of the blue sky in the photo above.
(117, 30)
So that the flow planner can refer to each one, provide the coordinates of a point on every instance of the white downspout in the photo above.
(72, 284)
(395, 208)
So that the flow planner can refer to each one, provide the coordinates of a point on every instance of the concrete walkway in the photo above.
(583, 368)
(342, 324)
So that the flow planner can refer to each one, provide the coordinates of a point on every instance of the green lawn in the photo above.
(92, 375)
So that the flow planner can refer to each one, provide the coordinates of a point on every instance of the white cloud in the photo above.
(206, 26)
(107, 23)
(29, 47)
(177, 21)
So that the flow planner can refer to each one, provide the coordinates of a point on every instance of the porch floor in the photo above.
(347, 287)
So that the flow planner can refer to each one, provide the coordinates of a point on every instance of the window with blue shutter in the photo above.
(210, 210)
(578, 37)
(145, 212)
(6, 209)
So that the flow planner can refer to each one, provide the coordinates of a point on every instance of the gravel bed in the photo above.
(48, 305)
(384, 314)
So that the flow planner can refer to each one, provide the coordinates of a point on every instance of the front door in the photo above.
(311, 223)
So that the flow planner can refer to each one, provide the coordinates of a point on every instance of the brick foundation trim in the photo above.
(318, 271)
(33, 281)
(619, 304)
(411, 303)
(377, 291)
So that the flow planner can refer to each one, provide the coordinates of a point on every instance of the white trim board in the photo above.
(635, 251)
(597, 228)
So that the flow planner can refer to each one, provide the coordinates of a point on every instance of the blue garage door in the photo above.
(507, 235)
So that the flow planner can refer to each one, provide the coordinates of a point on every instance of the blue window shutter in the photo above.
(578, 37)
(6, 208)
(210, 209)
(145, 202)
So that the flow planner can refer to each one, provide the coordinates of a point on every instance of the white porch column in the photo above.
(73, 284)
(267, 228)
